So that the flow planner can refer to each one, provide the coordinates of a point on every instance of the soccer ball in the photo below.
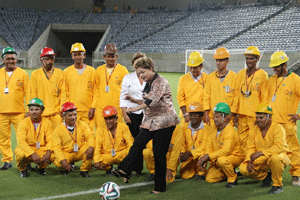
(109, 191)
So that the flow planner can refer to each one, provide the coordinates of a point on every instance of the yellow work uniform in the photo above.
(108, 88)
(27, 138)
(274, 148)
(12, 106)
(286, 102)
(105, 144)
(172, 155)
(225, 153)
(51, 91)
(195, 144)
(217, 91)
(80, 91)
(63, 144)
(246, 105)
(189, 91)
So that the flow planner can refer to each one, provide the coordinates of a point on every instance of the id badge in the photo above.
(75, 147)
(227, 89)
(6, 90)
(247, 93)
(274, 98)
(107, 88)
(38, 145)
(113, 152)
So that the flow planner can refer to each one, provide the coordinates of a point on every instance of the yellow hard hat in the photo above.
(77, 47)
(195, 59)
(221, 53)
(278, 58)
(252, 50)
(196, 107)
(264, 108)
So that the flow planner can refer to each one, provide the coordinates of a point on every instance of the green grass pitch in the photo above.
(13, 187)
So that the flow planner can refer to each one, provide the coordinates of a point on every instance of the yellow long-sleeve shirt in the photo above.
(105, 142)
(174, 148)
(80, 88)
(27, 136)
(274, 141)
(225, 144)
(18, 86)
(114, 82)
(51, 92)
(216, 91)
(189, 91)
(63, 142)
(257, 86)
(287, 96)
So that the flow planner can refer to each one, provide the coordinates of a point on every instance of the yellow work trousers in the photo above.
(108, 160)
(245, 124)
(99, 119)
(86, 165)
(5, 133)
(84, 116)
(294, 147)
(55, 120)
(189, 169)
(23, 160)
(222, 168)
(276, 163)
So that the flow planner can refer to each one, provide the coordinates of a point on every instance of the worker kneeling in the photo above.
(266, 151)
(223, 149)
(73, 141)
(34, 139)
(113, 141)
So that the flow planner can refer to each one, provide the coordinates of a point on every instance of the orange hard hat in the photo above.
(47, 52)
(221, 53)
(109, 111)
(68, 106)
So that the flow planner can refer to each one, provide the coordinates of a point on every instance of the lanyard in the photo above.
(46, 72)
(194, 140)
(277, 86)
(112, 141)
(202, 80)
(109, 75)
(247, 85)
(6, 82)
(75, 129)
(40, 126)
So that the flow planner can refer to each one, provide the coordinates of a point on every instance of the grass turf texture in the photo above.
(36, 186)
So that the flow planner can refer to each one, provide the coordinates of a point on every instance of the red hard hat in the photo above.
(47, 52)
(109, 111)
(68, 106)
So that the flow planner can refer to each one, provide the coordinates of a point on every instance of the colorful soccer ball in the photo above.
(109, 191)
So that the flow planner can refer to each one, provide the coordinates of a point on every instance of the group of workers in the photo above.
(229, 120)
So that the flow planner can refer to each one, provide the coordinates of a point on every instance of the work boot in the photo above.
(296, 181)
(232, 185)
(199, 178)
(267, 181)
(85, 174)
(6, 165)
(276, 190)
(41, 172)
(24, 173)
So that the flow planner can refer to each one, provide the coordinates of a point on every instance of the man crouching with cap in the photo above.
(34, 139)
(73, 141)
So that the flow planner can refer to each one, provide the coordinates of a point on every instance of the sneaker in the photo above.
(232, 185)
(238, 173)
(6, 165)
(151, 178)
(85, 174)
(24, 173)
(200, 178)
(296, 181)
(275, 190)
(41, 172)
(267, 181)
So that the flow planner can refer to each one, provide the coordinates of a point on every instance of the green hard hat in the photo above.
(8, 50)
(36, 102)
(222, 108)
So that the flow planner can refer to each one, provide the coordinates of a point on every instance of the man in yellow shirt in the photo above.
(220, 85)
(266, 150)
(113, 141)
(34, 139)
(284, 96)
(73, 141)
(108, 82)
(194, 140)
(172, 156)
(223, 149)
(191, 85)
(48, 84)
(14, 89)
(251, 91)
(80, 85)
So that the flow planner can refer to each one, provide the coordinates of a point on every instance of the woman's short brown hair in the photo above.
(144, 62)
(137, 56)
